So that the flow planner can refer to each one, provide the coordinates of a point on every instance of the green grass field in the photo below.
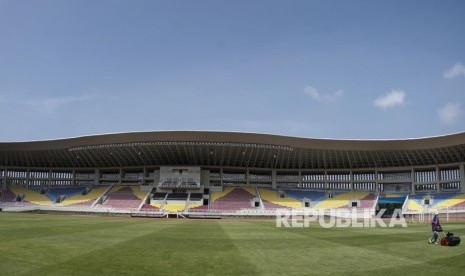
(40, 244)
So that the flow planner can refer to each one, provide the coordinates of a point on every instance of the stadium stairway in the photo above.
(103, 197)
(153, 205)
(87, 200)
(199, 206)
(137, 192)
(195, 202)
(160, 204)
(257, 195)
(145, 198)
(122, 197)
(414, 203)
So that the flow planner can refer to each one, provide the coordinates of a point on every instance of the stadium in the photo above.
(206, 137)
(227, 174)
(226, 183)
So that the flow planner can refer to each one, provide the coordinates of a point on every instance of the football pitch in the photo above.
(42, 244)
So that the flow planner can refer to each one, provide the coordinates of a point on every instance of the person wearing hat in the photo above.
(435, 226)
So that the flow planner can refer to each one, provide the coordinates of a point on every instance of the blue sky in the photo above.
(324, 69)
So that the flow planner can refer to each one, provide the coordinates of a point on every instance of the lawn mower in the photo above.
(445, 239)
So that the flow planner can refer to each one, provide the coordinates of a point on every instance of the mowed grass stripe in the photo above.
(295, 251)
(277, 251)
(434, 266)
(405, 244)
(50, 239)
(35, 226)
(182, 248)
(410, 244)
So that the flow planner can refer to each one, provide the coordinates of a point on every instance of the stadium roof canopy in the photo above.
(231, 149)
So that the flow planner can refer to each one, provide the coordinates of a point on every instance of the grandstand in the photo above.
(233, 199)
(227, 174)
(122, 197)
(272, 199)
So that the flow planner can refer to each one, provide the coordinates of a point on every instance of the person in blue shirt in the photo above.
(435, 226)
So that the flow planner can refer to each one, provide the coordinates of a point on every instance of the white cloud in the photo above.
(456, 71)
(49, 105)
(390, 99)
(324, 97)
(449, 113)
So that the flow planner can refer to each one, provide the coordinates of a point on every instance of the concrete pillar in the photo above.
(351, 179)
(73, 177)
(273, 179)
(27, 177)
(462, 177)
(96, 177)
(326, 180)
(3, 178)
(412, 180)
(205, 178)
(156, 178)
(49, 180)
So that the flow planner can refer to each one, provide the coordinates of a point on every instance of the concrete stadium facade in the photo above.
(432, 164)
